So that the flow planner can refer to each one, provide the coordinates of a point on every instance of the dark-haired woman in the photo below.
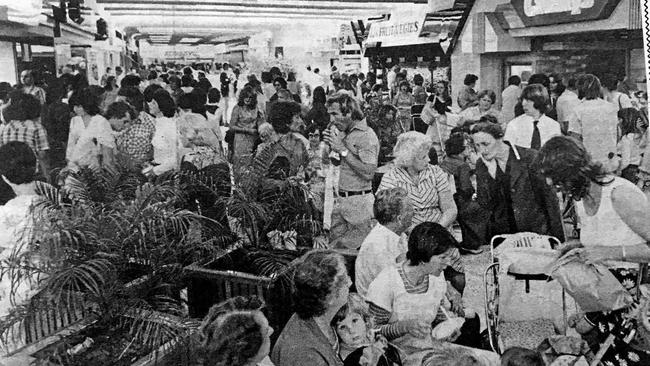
(90, 142)
(110, 92)
(405, 299)
(321, 286)
(614, 216)
(510, 188)
(632, 143)
(318, 113)
(165, 138)
(245, 119)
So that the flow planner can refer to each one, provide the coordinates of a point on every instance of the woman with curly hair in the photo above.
(244, 121)
(235, 333)
(320, 288)
(614, 214)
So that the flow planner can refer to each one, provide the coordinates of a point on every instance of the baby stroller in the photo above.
(519, 259)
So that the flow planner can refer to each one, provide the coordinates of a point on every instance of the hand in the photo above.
(454, 336)
(455, 300)
(594, 254)
(335, 140)
(418, 328)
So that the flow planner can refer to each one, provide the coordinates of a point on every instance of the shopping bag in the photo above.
(592, 286)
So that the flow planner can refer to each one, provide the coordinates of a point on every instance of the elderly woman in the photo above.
(405, 299)
(510, 188)
(321, 286)
(486, 100)
(614, 214)
(427, 187)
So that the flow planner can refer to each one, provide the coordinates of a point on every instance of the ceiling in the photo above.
(195, 22)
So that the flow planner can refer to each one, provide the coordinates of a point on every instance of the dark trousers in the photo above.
(470, 333)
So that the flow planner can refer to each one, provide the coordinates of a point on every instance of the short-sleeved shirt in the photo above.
(135, 141)
(84, 142)
(425, 198)
(596, 120)
(30, 132)
(362, 142)
(379, 250)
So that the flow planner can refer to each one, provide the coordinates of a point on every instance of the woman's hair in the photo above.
(489, 118)
(630, 118)
(109, 83)
(356, 304)
(418, 80)
(280, 115)
(470, 79)
(266, 77)
(214, 95)
(610, 82)
(174, 80)
(560, 88)
(519, 356)
(537, 94)
(165, 102)
(247, 91)
(86, 100)
(185, 101)
(406, 84)
(490, 94)
(119, 109)
(385, 108)
(234, 339)
(589, 87)
(455, 144)
(187, 80)
(539, 79)
(315, 277)
(149, 90)
(408, 145)
(348, 104)
(426, 240)
(23, 107)
(493, 129)
(319, 95)
(514, 80)
(17, 162)
(566, 161)
(134, 96)
(280, 80)
(389, 204)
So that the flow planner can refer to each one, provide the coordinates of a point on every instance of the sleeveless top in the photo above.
(606, 227)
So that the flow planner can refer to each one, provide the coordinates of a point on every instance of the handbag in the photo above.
(230, 137)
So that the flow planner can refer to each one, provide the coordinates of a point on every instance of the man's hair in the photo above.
(470, 79)
(23, 107)
(514, 80)
(492, 129)
(316, 276)
(17, 162)
(537, 94)
(280, 115)
(349, 105)
(119, 110)
(389, 203)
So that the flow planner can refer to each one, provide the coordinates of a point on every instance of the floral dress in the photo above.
(403, 102)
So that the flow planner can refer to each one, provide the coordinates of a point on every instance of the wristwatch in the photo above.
(344, 153)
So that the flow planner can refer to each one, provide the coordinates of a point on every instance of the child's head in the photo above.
(353, 323)
(519, 356)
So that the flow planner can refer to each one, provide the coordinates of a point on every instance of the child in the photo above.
(519, 356)
(358, 344)
(632, 143)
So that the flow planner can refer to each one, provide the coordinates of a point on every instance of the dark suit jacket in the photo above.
(534, 203)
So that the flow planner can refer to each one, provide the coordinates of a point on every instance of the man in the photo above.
(119, 75)
(105, 76)
(28, 87)
(135, 140)
(467, 97)
(566, 103)
(358, 148)
(533, 128)
(509, 98)
(383, 245)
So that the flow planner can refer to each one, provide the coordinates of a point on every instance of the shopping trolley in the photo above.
(498, 245)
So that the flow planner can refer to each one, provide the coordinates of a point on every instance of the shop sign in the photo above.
(546, 12)
(401, 31)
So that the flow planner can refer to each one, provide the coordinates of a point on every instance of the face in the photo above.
(529, 107)
(485, 103)
(153, 107)
(390, 115)
(421, 160)
(78, 110)
(486, 145)
(353, 330)
(314, 138)
(404, 88)
(553, 84)
(436, 265)
(342, 122)
(297, 124)
(277, 86)
(119, 124)
(265, 348)
(440, 88)
(26, 78)
(248, 99)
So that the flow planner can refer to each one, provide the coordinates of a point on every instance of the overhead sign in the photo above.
(546, 12)
(396, 31)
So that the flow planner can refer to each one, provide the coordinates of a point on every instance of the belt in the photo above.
(353, 193)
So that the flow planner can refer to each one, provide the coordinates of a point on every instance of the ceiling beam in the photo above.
(287, 4)
(187, 17)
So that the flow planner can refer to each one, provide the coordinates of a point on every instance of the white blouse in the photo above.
(165, 145)
(84, 142)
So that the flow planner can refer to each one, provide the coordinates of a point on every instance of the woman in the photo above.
(441, 121)
(90, 142)
(387, 128)
(405, 300)
(175, 87)
(427, 187)
(403, 101)
(594, 121)
(419, 94)
(614, 216)
(486, 99)
(292, 85)
(245, 119)
(632, 144)
(440, 97)
(510, 188)
(318, 113)
(110, 92)
(320, 288)
(612, 95)
(165, 139)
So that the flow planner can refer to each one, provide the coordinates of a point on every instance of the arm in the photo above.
(169, 152)
(625, 149)
(366, 170)
(44, 162)
(464, 179)
(108, 156)
(448, 207)
(575, 126)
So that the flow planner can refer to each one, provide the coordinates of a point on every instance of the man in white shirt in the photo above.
(510, 97)
(566, 103)
(532, 129)
(384, 243)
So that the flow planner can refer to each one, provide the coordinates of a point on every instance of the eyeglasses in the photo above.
(314, 135)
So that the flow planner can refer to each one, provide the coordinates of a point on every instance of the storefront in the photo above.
(517, 37)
